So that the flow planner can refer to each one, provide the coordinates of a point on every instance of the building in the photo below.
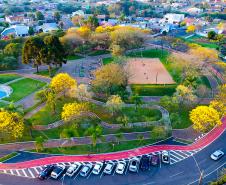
(15, 30)
(173, 18)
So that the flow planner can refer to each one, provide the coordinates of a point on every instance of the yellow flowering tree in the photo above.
(84, 32)
(204, 118)
(12, 124)
(71, 110)
(191, 29)
(114, 103)
(63, 84)
(219, 106)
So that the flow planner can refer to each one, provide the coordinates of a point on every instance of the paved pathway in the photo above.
(198, 145)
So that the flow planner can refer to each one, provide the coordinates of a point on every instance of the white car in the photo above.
(97, 168)
(165, 157)
(73, 169)
(134, 164)
(120, 167)
(109, 167)
(57, 171)
(85, 170)
(217, 155)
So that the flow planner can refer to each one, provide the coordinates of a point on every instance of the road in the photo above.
(181, 173)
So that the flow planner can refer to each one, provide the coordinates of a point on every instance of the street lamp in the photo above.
(200, 171)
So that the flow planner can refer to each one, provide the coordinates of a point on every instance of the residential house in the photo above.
(15, 30)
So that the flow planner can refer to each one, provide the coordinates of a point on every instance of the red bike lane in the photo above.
(201, 143)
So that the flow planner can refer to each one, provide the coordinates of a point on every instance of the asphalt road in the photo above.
(181, 173)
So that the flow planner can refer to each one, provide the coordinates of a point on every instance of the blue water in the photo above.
(2, 94)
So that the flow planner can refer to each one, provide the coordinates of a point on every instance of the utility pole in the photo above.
(200, 171)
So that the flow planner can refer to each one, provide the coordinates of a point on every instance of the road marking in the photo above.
(174, 161)
(36, 170)
(160, 161)
(177, 154)
(11, 171)
(32, 175)
(24, 172)
(127, 167)
(175, 174)
(18, 173)
(175, 157)
(183, 154)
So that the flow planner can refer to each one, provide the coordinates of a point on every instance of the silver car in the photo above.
(217, 155)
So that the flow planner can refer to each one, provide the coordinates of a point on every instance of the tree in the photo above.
(158, 132)
(219, 106)
(12, 124)
(71, 110)
(191, 29)
(124, 120)
(185, 95)
(204, 118)
(63, 84)
(137, 100)
(53, 52)
(32, 51)
(51, 101)
(69, 133)
(31, 31)
(92, 22)
(83, 92)
(13, 49)
(221, 95)
(117, 50)
(114, 103)
(57, 16)
(170, 103)
(39, 143)
(95, 132)
(39, 16)
(212, 35)
(8, 62)
(108, 78)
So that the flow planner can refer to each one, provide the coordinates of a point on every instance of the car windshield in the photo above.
(97, 166)
(134, 163)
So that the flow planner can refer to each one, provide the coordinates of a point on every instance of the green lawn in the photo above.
(107, 60)
(45, 115)
(8, 77)
(74, 57)
(46, 72)
(2, 104)
(98, 52)
(23, 88)
(100, 148)
(7, 157)
(207, 44)
(154, 90)
(205, 81)
(184, 122)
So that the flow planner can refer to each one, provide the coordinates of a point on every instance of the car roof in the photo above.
(218, 152)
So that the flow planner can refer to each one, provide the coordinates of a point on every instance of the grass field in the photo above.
(23, 88)
(100, 148)
(154, 90)
(98, 52)
(8, 77)
(74, 57)
(46, 72)
(7, 157)
(185, 122)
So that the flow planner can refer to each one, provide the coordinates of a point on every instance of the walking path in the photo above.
(198, 145)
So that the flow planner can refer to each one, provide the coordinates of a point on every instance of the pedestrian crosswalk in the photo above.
(175, 156)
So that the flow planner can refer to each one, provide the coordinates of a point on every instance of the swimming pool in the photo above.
(5, 91)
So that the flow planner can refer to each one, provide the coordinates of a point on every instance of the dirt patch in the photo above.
(147, 71)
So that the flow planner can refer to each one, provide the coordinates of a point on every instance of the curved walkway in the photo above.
(200, 144)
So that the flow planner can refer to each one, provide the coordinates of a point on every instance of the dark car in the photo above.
(154, 160)
(144, 162)
(44, 174)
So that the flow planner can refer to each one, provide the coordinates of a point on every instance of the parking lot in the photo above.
(175, 156)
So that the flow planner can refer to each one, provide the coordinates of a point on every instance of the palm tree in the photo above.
(137, 101)
(69, 133)
(39, 141)
(140, 138)
(95, 132)
(119, 137)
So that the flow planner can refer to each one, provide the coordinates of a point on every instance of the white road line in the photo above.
(174, 161)
(24, 172)
(174, 156)
(175, 174)
(178, 154)
(18, 173)
(11, 171)
(4, 171)
(39, 167)
(183, 154)
(32, 175)
(36, 170)
(188, 152)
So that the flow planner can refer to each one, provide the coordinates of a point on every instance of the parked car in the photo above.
(154, 160)
(165, 157)
(134, 164)
(58, 171)
(217, 155)
(44, 174)
(73, 169)
(120, 167)
(109, 168)
(85, 170)
(97, 168)
(144, 162)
